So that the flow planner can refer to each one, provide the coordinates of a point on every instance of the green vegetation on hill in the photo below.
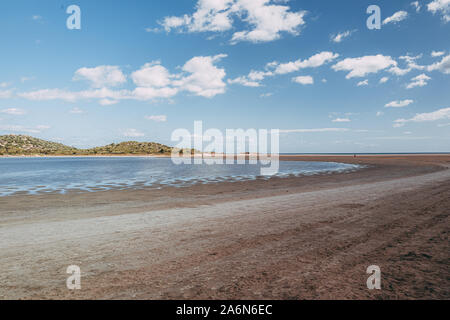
(132, 147)
(26, 145)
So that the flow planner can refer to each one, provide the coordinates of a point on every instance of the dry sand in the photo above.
(291, 238)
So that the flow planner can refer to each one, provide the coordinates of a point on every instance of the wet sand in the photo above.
(285, 238)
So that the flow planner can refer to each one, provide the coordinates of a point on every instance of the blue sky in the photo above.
(138, 70)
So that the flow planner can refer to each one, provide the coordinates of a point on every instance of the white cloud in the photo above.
(76, 110)
(380, 113)
(159, 118)
(363, 83)
(360, 67)
(416, 5)
(303, 80)
(275, 68)
(314, 61)
(13, 111)
(341, 36)
(411, 65)
(36, 17)
(199, 75)
(151, 75)
(205, 78)
(396, 17)
(266, 20)
(146, 94)
(442, 66)
(132, 133)
(442, 7)
(314, 130)
(5, 94)
(411, 62)
(107, 102)
(23, 129)
(341, 120)
(399, 71)
(101, 76)
(441, 114)
(266, 95)
(384, 79)
(4, 84)
(435, 54)
(244, 81)
(399, 103)
(419, 81)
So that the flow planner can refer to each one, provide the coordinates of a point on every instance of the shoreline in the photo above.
(284, 238)
(239, 155)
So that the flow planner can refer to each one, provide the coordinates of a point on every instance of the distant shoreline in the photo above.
(282, 155)
(87, 156)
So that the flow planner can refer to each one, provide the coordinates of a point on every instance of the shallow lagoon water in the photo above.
(91, 174)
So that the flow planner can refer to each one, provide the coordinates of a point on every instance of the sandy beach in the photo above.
(309, 237)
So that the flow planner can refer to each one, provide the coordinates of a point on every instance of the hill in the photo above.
(26, 145)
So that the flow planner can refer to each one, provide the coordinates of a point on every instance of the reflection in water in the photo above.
(42, 175)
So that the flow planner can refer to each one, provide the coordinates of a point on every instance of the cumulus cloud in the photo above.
(441, 114)
(199, 76)
(396, 17)
(265, 19)
(13, 111)
(442, 7)
(151, 75)
(363, 83)
(304, 80)
(419, 81)
(360, 67)
(275, 68)
(435, 54)
(442, 66)
(341, 36)
(384, 79)
(416, 5)
(101, 76)
(399, 103)
(205, 78)
(411, 64)
(158, 118)
(314, 61)
(244, 81)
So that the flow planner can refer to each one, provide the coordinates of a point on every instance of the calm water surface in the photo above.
(85, 174)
